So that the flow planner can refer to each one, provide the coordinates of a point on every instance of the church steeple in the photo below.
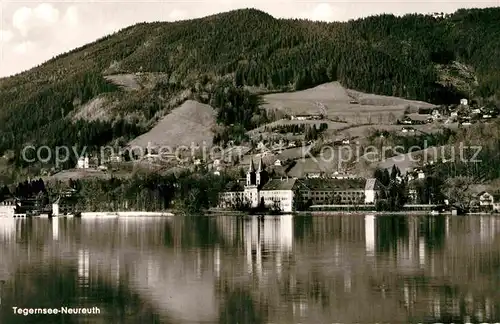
(251, 174)
(252, 166)
(261, 175)
(261, 166)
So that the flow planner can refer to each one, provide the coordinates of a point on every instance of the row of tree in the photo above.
(296, 128)
(191, 192)
(23, 190)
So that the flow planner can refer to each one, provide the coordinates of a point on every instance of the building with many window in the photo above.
(258, 189)
(340, 191)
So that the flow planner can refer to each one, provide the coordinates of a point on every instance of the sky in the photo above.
(32, 32)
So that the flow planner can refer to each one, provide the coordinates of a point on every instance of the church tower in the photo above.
(251, 190)
(251, 174)
(261, 176)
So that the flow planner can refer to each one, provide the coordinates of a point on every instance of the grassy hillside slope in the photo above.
(340, 104)
(191, 123)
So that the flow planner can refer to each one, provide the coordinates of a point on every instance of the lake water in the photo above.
(301, 269)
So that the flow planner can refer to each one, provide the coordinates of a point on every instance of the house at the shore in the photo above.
(489, 200)
(9, 206)
(10, 201)
(15, 205)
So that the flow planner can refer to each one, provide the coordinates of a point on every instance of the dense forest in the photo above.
(385, 54)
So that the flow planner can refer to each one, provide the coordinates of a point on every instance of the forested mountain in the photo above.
(399, 56)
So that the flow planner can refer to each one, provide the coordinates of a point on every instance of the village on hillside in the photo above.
(309, 158)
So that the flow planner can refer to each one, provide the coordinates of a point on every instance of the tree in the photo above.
(298, 201)
(459, 192)
(4, 193)
(383, 176)
(396, 195)
(395, 172)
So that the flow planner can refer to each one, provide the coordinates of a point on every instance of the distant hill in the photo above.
(142, 72)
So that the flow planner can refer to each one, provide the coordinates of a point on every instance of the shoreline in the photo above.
(345, 212)
(124, 214)
(409, 213)
(388, 213)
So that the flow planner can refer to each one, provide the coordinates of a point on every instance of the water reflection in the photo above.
(370, 234)
(55, 228)
(235, 270)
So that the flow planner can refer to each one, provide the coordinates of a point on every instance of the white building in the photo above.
(300, 117)
(8, 207)
(343, 175)
(372, 190)
(340, 191)
(313, 175)
(259, 190)
(408, 130)
(83, 163)
(487, 199)
(279, 193)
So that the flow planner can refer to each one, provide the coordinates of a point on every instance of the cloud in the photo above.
(23, 48)
(21, 18)
(6, 36)
(25, 19)
(46, 12)
(71, 16)
(40, 32)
